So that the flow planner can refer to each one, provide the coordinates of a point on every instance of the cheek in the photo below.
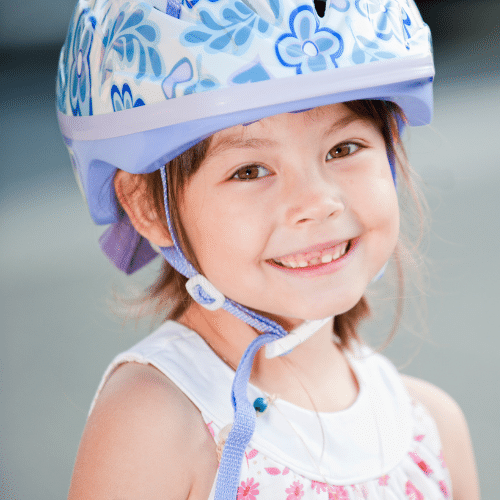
(222, 237)
(385, 217)
(375, 202)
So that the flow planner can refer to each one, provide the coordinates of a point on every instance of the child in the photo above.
(255, 146)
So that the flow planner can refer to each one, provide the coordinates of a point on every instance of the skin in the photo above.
(316, 177)
(302, 199)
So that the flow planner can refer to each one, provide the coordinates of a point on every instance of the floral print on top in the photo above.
(421, 475)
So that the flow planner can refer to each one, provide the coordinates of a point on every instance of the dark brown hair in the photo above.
(167, 296)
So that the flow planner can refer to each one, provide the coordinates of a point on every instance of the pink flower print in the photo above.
(295, 491)
(383, 480)
(274, 471)
(248, 490)
(286, 470)
(251, 454)
(210, 429)
(419, 438)
(428, 471)
(441, 458)
(412, 492)
(319, 487)
(337, 493)
(444, 489)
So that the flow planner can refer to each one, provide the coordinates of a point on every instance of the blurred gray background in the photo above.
(57, 333)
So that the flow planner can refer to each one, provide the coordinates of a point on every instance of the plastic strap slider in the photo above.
(204, 293)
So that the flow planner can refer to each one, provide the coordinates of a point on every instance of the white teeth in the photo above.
(325, 259)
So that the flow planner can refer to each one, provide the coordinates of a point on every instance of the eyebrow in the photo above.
(341, 123)
(235, 142)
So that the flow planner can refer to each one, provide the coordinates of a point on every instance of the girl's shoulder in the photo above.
(454, 435)
(136, 446)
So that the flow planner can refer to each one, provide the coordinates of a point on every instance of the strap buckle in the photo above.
(204, 293)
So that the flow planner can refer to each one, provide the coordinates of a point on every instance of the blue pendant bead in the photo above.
(260, 405)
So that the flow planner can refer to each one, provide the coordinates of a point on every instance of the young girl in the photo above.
(256, 146)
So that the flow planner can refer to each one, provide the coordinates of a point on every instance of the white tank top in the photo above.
(383, 447)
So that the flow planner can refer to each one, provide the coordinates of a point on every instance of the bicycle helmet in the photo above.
(141, 82)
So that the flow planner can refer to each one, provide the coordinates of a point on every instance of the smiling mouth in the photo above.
(311, 259)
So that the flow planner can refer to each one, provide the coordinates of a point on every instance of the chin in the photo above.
(333, 306)
(321, 311)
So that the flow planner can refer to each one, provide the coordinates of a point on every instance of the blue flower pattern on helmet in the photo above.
(340, 5)
(308, 47)
(64, 64)
(255, 72)
(79, 81)
(384, 16)
(191, 3)
(113, 43)
(233, 33)
(180, 73)
(122, 99)
(410, 28)
(204, 82)
(382, 21)
(367, 50)
(130, 40)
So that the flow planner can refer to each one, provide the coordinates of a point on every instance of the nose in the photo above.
(311, 199)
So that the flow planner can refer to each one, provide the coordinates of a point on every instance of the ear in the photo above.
(131, 193)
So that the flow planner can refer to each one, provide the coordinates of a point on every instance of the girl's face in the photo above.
(295, 214)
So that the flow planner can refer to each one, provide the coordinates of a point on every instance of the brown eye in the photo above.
(251, 172)
(342, 150)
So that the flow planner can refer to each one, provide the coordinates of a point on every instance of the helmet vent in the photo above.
(320, 5)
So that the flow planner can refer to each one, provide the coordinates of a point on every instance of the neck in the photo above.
(315, 375)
